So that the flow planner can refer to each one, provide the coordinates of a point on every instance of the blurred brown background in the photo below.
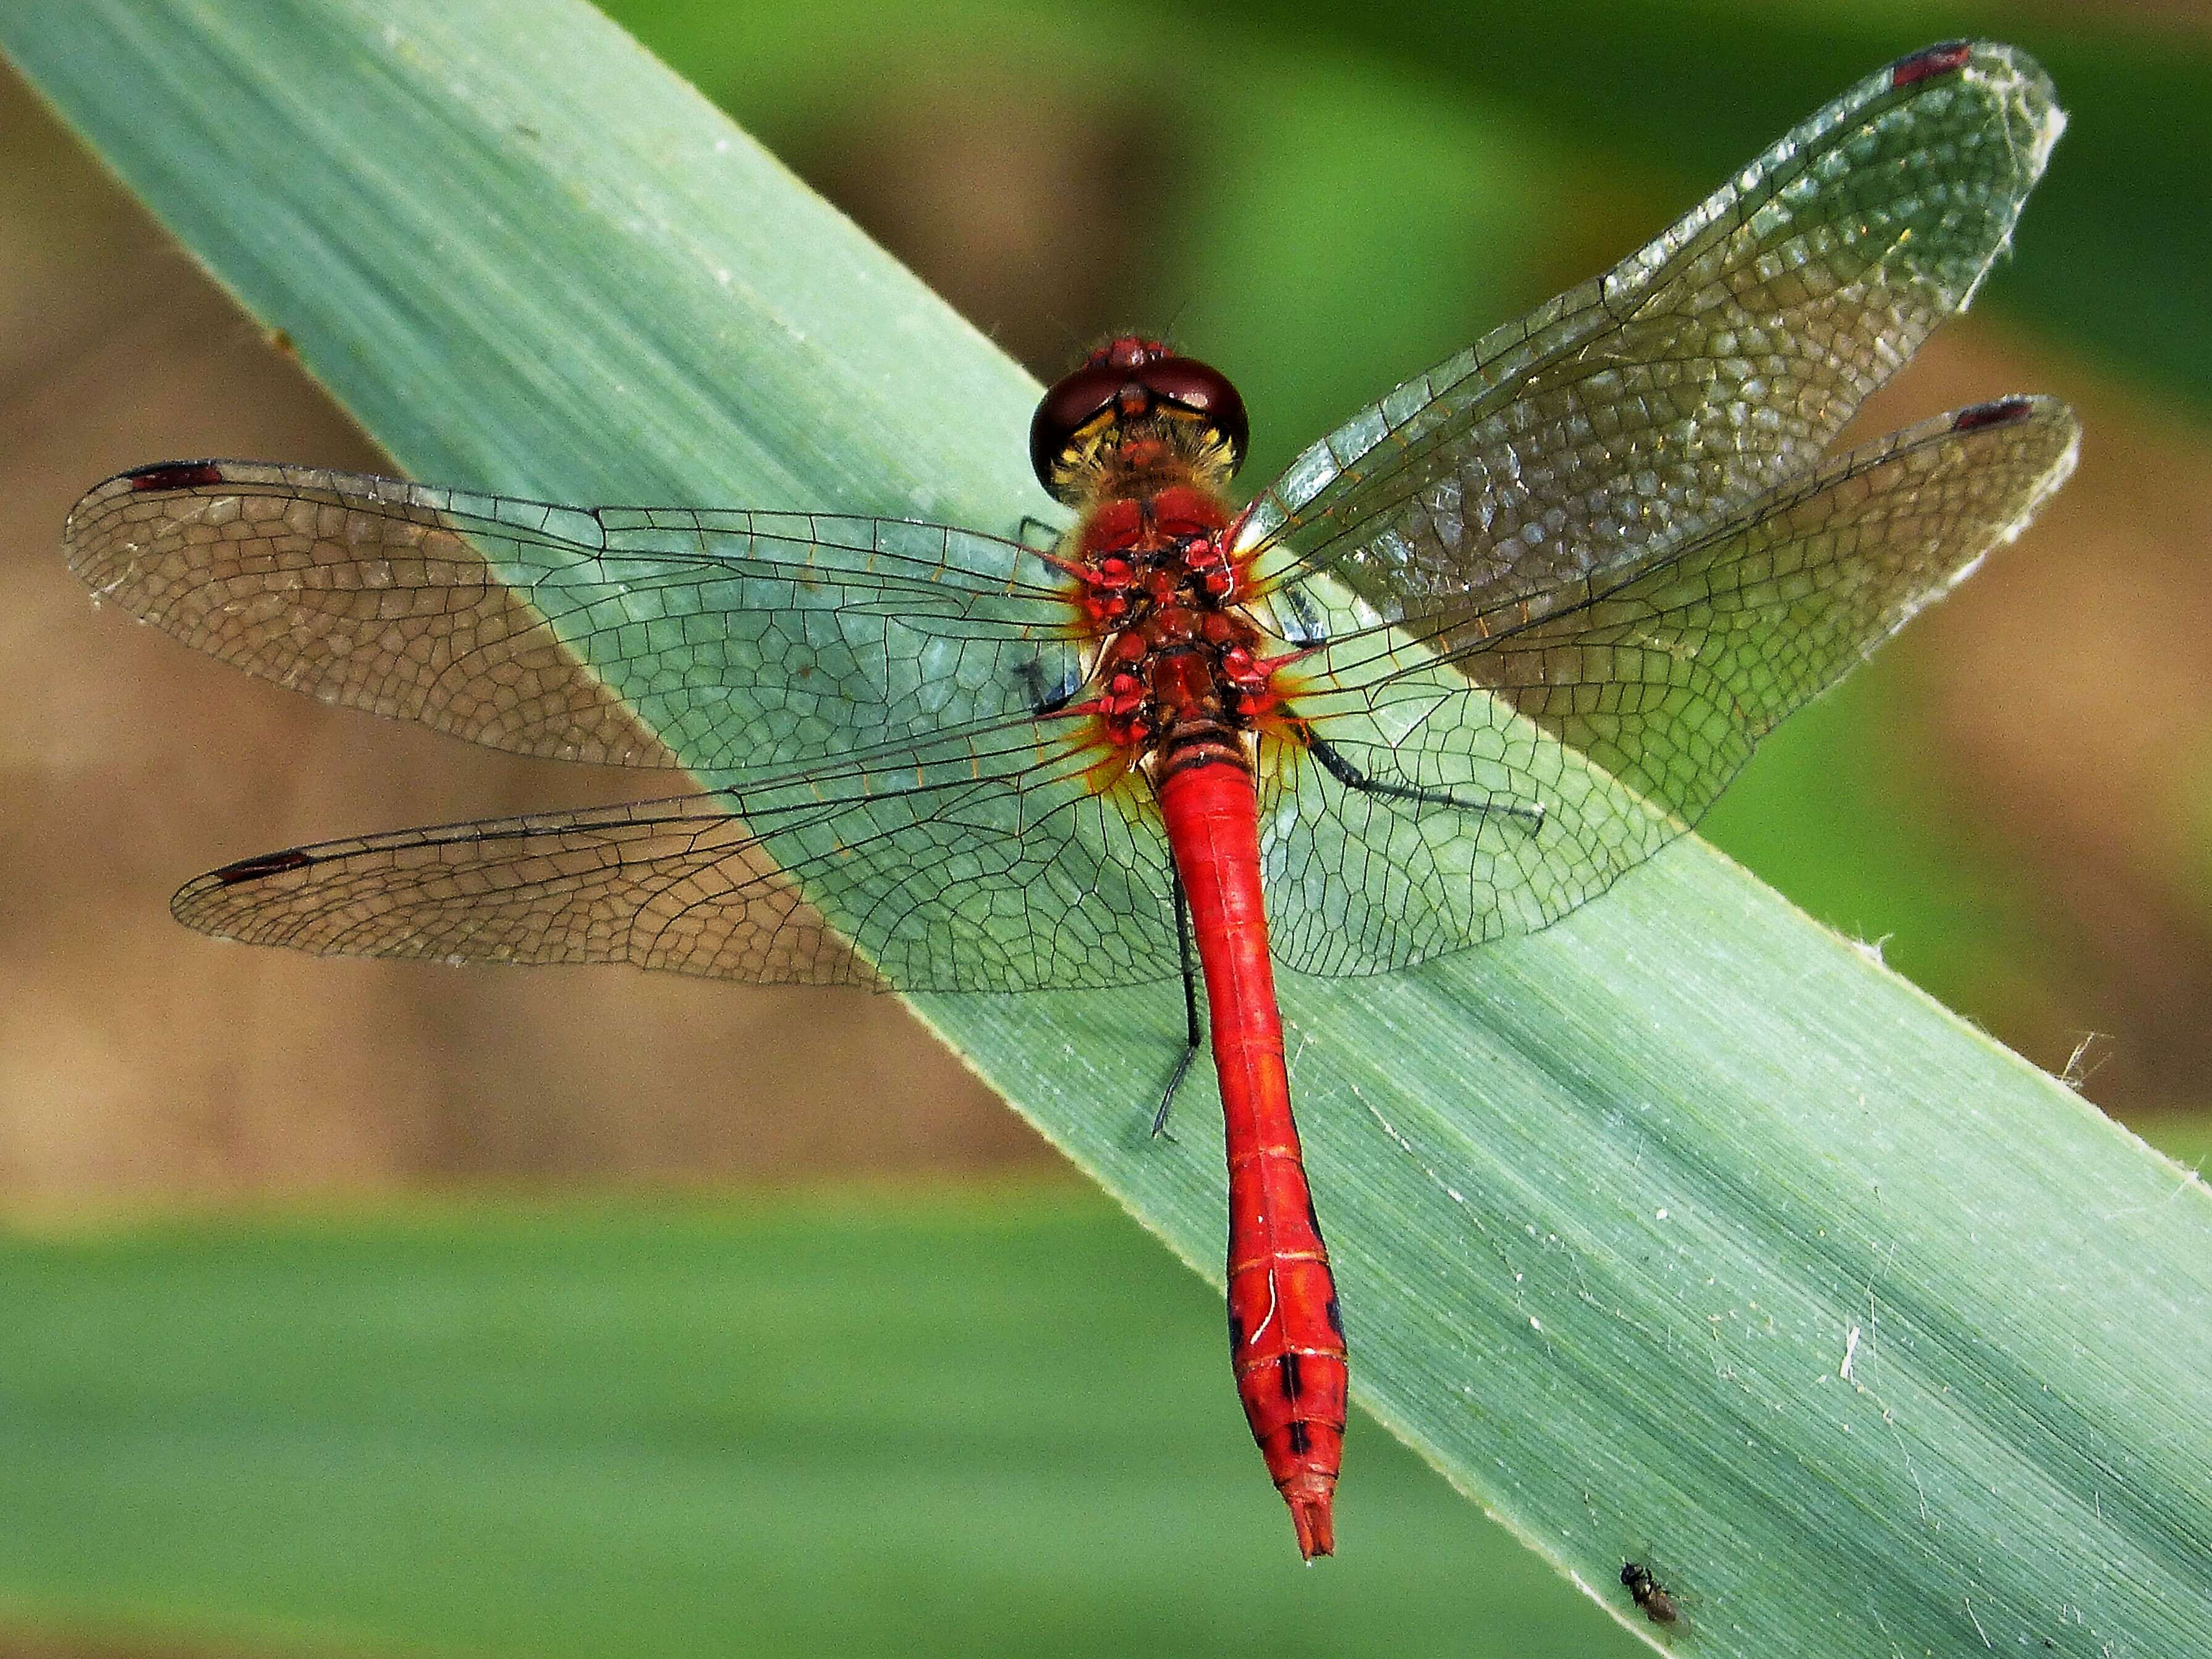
(2018, 796)
(138, 1059)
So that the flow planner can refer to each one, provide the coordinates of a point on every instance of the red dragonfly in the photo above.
(1479, 652)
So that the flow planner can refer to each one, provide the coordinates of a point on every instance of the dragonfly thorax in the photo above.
(1178, 659)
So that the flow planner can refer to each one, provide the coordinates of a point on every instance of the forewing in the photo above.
(1719, 359)
(1623, 703)
(736, 643)
(988, 869)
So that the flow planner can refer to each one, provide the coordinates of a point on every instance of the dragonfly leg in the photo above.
(1193, 1035)
(1311, 631)
(1338, 767)
(1043, 701)
(1036, 534)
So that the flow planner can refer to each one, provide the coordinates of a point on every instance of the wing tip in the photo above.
(2017, 409)
(2007, 411)
(171, 475)
(1945, 57)
(2009, 76)
(154, 478)
(200, 903)
(135, 480)
(261, 866)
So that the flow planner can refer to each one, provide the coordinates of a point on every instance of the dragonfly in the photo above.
(1476, 654)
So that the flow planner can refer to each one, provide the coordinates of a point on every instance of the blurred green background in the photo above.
(612, 1418)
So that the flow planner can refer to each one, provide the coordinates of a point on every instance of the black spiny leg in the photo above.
(1352, 777)
(1045, 701)
(1036, 534)
(1311, 631)
(1193, 1035)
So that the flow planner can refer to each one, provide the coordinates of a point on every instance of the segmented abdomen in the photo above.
(1286, 1340)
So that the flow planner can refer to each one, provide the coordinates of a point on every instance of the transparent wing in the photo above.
(1578, 528)
(866, 691)
(1657, 676)
(474, 614)
(982, 866)
(1718, 361)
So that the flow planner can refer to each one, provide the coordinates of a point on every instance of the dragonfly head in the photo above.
(1135, 407)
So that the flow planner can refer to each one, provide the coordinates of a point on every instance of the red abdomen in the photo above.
(1286, 1339)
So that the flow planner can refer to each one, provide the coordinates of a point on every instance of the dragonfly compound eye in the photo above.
(1196, 388)
(1125, 381)
(1076, 402)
